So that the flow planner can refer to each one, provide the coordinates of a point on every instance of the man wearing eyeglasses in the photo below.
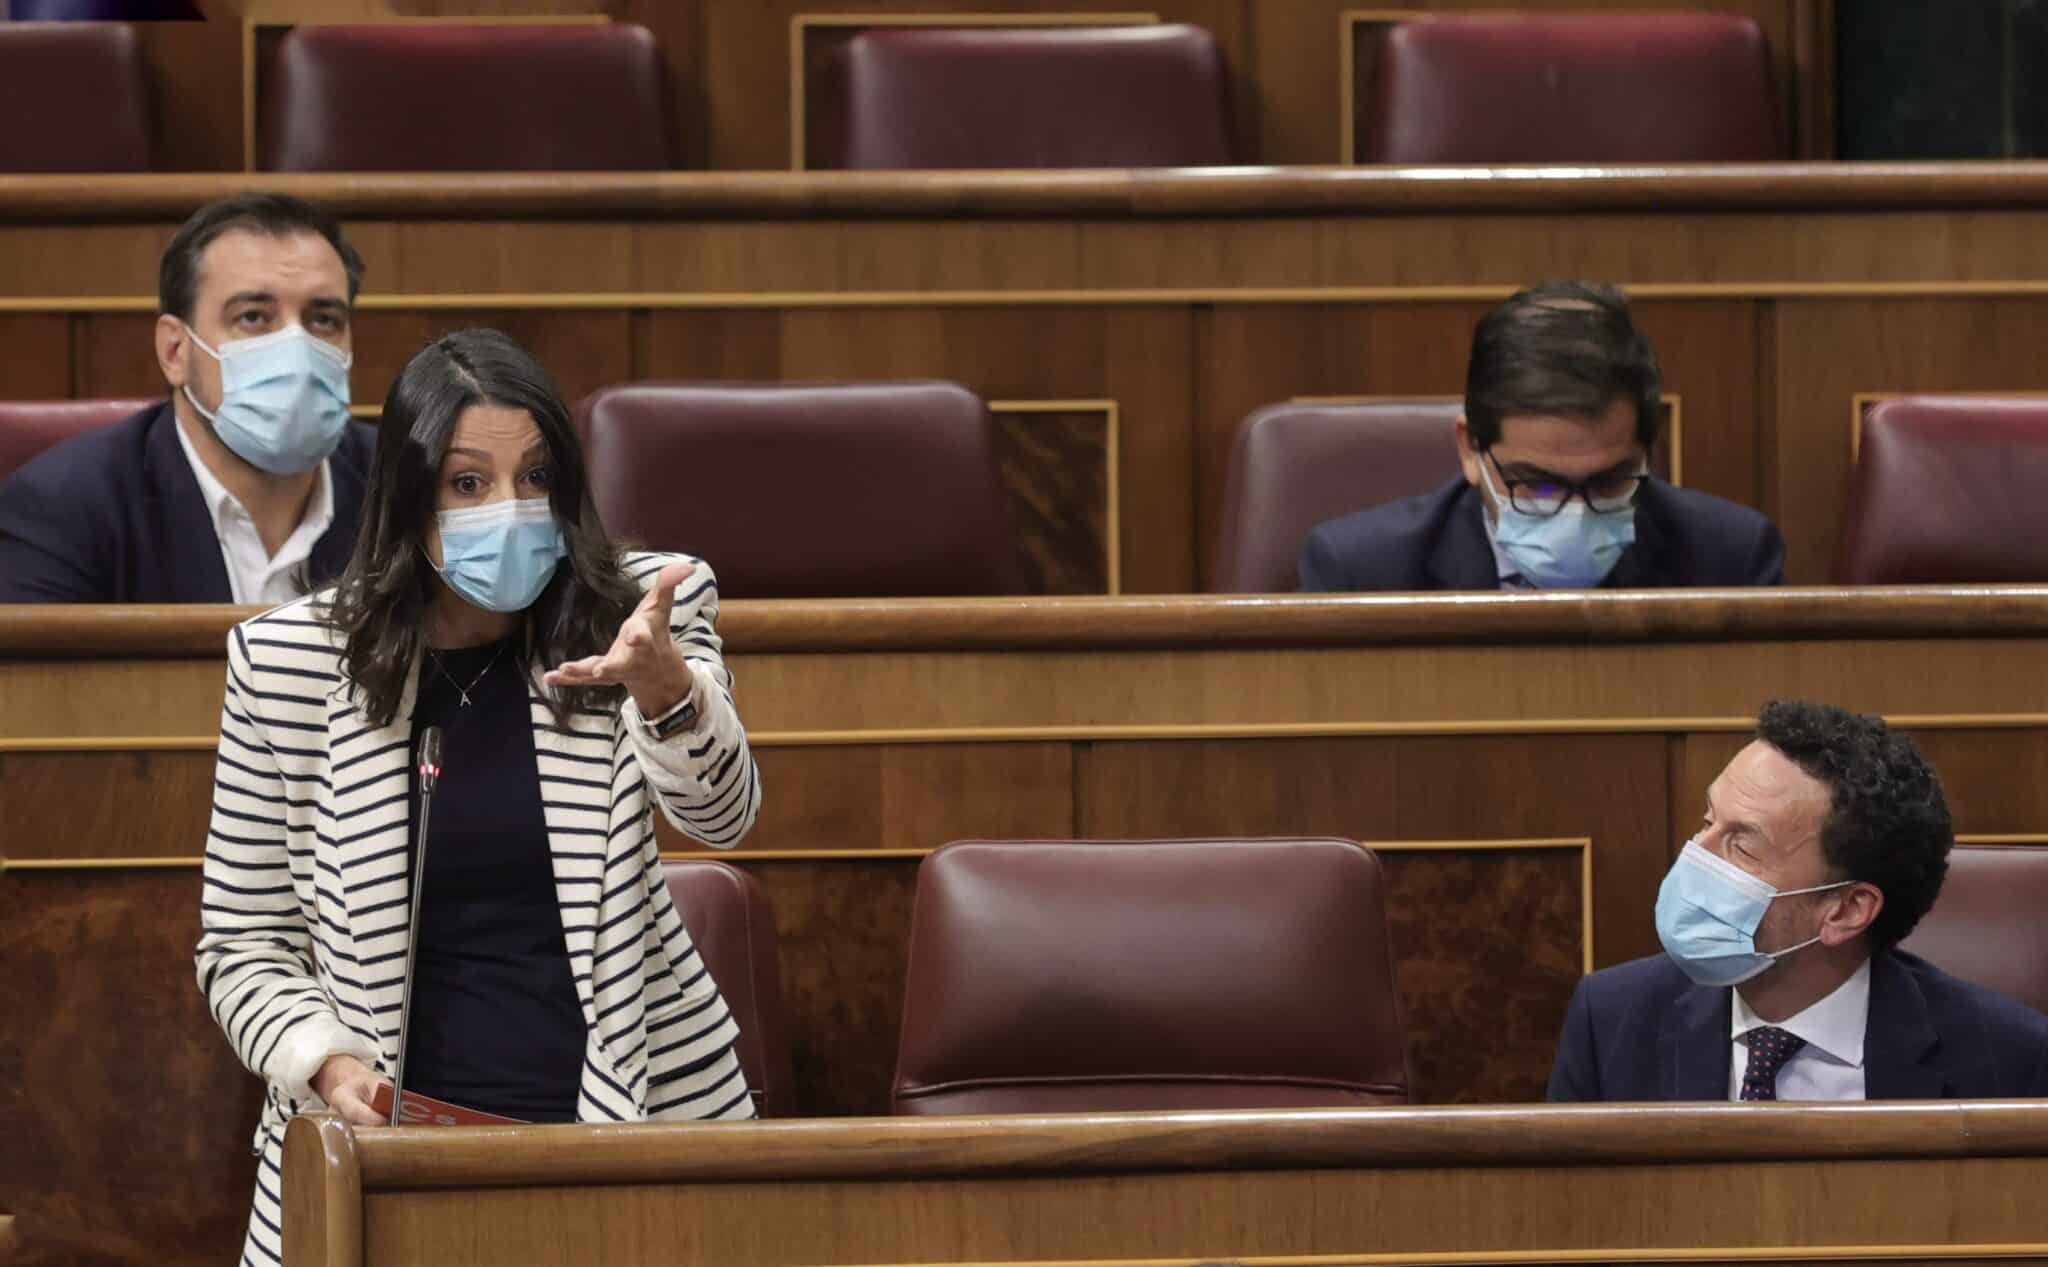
(1562, 410)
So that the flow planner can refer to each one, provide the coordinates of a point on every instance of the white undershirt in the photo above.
(1830, 1065)
(255, 576)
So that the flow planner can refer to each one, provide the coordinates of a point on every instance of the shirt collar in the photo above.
(219, 501)
(1833, 1026)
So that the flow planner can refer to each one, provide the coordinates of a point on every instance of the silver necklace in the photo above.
(461, 690)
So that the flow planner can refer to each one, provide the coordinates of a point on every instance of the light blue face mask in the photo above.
(283, 399)
(1572, 549)
(500, 556)
(1707, 916)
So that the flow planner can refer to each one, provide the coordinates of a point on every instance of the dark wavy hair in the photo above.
(1887, 823)
(1562, 349)
(380, 603)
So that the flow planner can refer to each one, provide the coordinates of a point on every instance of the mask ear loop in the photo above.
(1776, 955)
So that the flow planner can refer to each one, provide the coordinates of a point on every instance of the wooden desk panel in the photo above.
(1489, 743)
(1625, 1184)
(1777, 294)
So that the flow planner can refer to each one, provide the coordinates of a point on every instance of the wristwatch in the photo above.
(676, 720)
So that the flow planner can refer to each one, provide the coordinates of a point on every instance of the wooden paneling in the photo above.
(1827, 351)
(134, 804)
(583, 350)
(1057, 460)
(1609, 788)
(37, 356)
(126, 1115)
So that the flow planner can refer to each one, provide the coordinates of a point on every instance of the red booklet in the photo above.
(425, 1110)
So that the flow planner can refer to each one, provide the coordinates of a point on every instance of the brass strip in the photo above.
(1161, 296)
(93, 864)
(1530, 1257)
(1219, 730)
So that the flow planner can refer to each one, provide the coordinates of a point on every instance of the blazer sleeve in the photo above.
(1767, 560)
(50, 551)
(704, 777)
(1575, 1078)
(255, 954)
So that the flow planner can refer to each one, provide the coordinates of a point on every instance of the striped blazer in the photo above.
(306, 900)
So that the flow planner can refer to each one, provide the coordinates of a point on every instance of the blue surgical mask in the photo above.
(500, 556)
(1707, 916)
(283, 399)
(1572, 549)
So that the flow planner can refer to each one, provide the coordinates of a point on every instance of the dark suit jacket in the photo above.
(1438, 542)
(115, 516)
(1643, 1031)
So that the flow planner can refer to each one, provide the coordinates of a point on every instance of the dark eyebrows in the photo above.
(241, 297)
(328, 303)
(1524, 473)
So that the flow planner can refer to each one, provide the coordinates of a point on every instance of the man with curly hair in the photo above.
(1822, 844)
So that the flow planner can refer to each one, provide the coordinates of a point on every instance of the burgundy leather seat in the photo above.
(1573, 88)
(1294, 466)
(1949, 489)
(27, 427)
(74, 97)
(1071, 976)
(467, 98)
(1986, 926)
(850, 490)
(1134, 96)
(733, 928)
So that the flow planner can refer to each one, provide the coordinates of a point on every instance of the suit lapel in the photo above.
(577, 830)
(1462, 558)
(1694, 1045)
(1898, 1038)
(193, 569)
(1643, 565)
(367, 768)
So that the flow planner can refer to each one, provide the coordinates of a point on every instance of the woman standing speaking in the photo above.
(576, 686)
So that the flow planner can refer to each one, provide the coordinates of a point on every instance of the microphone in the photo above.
(430, 776)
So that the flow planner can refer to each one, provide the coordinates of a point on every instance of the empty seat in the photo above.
(808, 491)
(1294, 466)
(1949, 489)
(1073, 976)
(1134, 96)
(464, 98)
(1573, 88)
(1986, 926)
(27, 427)
(74, 97)
(733, 928)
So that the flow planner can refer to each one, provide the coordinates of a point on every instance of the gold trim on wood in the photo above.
(1861, 402)
(1112, 519)
(1176, 730)
(1348, 23)
(1247, 296)
(801, 24)
(1731, 1254)
(93, 864)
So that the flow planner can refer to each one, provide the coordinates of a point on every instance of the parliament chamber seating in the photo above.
(733, 927)
(993, 97)
(1096, 975)
(1987, 925)
(1948, 489)
(27, 427)
(499, 98)
(808, 491)
(47, 74)
(1294, 465)
(1573, 88)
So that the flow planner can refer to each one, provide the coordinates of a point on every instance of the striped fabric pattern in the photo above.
(307, 895)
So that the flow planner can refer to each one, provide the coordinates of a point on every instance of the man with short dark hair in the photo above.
(1823, 843)
(246, 485)
(1562, 409)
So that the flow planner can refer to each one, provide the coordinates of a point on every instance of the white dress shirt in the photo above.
(256, 576)
(1830, 1065)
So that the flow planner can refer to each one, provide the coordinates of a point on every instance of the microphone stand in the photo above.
(430, 775)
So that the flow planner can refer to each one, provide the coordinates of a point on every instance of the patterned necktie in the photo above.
(1769, 1049)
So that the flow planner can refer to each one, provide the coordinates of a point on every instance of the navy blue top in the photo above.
(496, 1021)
